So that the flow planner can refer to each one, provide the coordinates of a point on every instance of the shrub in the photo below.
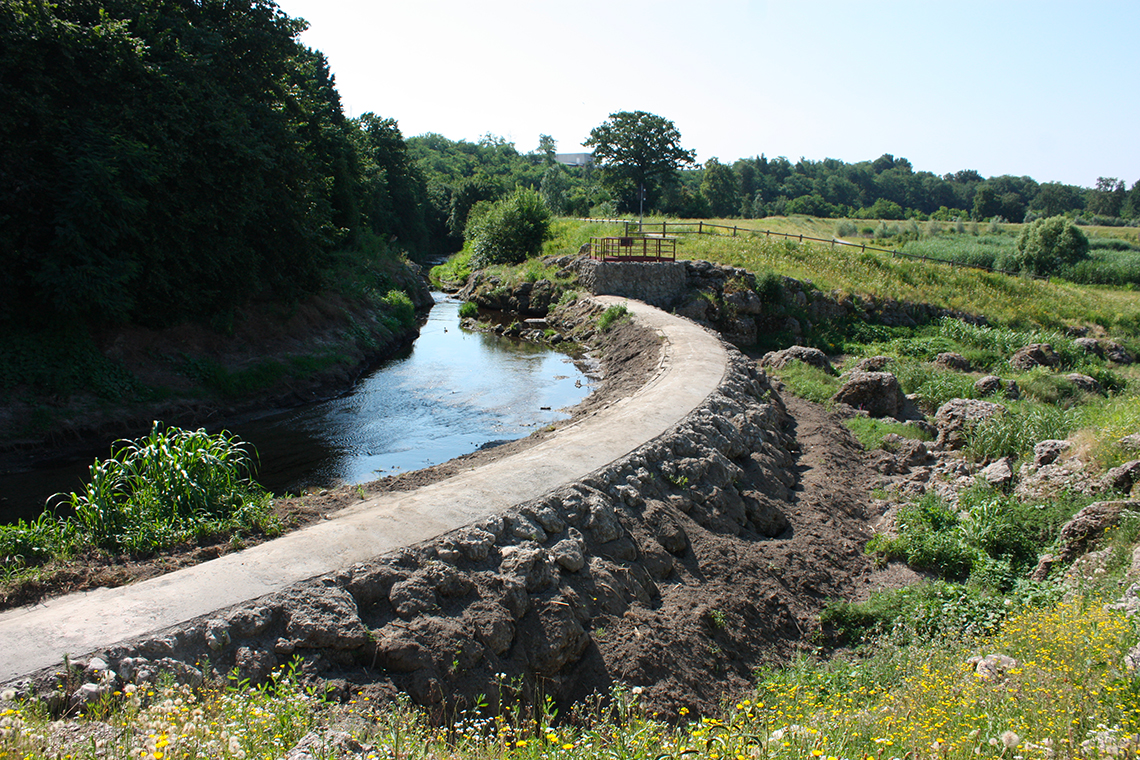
(400, 307)
(1046, 246)
(171, 486)
(509, 231)
(469, 309)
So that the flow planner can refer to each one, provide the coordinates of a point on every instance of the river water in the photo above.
(451, 393)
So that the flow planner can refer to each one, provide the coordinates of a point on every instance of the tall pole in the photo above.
(641, 206)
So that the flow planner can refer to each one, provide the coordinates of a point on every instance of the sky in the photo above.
(1045, 89)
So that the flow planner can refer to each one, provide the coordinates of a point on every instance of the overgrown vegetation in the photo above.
(169, 487)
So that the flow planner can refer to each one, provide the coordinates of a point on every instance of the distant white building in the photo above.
(574, 159)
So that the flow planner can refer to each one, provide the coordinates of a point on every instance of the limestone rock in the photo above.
(1049, 451)
(324, 617)
(413, 596)
(988, 386)
(554, 638)
(999, 474)
(532, 564)
(877, 393)
(958, 416)
(1122, 478)
(909, 452)
(1085, 383)
(398, 651)
(1090, 346)
(1117, 353)
(1033, 355)
(953, 361)
(872, 364)
(811, 356)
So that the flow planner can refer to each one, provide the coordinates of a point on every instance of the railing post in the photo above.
(734, 230)
(700, 228)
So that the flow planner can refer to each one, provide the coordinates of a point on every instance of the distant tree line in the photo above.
(173, 159)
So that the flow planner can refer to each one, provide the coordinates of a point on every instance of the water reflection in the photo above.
(453, 392)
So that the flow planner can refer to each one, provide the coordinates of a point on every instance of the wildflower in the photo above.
(1010, 739)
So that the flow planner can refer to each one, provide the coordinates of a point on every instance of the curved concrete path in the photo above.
(692, 366)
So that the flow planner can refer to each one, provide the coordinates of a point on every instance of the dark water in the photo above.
(453, 392)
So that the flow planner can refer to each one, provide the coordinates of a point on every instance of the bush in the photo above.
(400, 307)
(1046, 246)
(171, 486)
(469, 309)
(510, 231)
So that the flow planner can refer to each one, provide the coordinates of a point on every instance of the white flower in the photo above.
(1010, 739)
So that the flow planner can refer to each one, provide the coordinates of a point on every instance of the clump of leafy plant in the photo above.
(508, 231)
(171, 486)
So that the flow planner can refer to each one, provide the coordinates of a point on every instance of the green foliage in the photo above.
(30, 543)
(611, 315)
(469, 310)
(870, 431)
(808, 382)
(454, 271)
(178, 161)
(637, 149)
(1047, 246)
(509, 231)
(1022, 426)
(934, 387)
(171, 486)
(398, 306)
(927, 612)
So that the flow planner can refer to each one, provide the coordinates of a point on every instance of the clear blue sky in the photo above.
(1045, 89)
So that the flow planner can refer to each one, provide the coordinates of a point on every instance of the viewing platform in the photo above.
(645, 247)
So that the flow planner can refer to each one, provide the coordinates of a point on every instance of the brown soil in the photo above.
(745, 602)
(628, 357)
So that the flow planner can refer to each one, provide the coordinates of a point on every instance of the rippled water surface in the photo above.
(451, 393)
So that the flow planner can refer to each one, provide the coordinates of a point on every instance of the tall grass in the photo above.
(1019, 429)
(1003, 299)
(152, 493)
(172, 485)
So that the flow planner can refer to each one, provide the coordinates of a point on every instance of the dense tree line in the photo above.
(161, 159)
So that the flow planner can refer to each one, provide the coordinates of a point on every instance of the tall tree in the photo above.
(718, 185)
(1108, 197)
(636, 149)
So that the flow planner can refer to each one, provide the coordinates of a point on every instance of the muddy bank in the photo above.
(693, 555)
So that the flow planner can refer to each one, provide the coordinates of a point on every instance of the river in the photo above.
(452, 392)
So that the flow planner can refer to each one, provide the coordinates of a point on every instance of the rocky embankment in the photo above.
(694, 554)
(728, 299)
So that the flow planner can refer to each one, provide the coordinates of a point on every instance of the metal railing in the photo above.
(634, 248)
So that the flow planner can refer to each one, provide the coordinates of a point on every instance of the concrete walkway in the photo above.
(692, 367)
